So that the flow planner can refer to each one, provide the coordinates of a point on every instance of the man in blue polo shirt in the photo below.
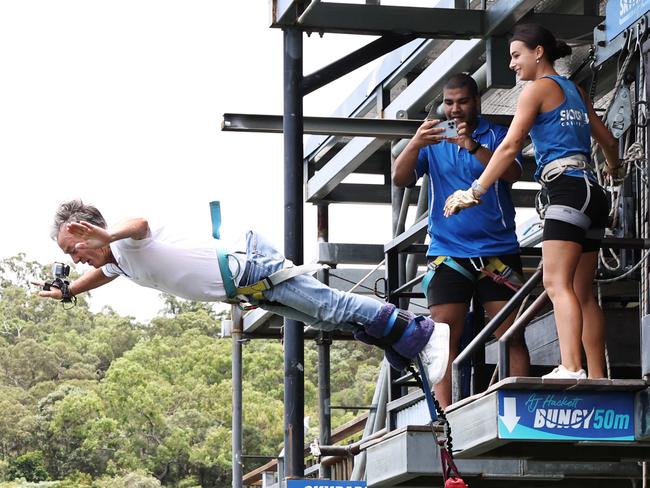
(478, 254)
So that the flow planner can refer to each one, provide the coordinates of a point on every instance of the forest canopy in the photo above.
(101, 400)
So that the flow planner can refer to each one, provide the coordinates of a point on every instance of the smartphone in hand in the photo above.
(451, 130)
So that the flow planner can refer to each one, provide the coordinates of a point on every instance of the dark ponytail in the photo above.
(533, 35)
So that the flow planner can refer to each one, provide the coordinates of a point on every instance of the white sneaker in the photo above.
(435, 354)
(561, 373)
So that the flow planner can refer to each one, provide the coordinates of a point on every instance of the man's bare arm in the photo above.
(88, 281)
(95, 237)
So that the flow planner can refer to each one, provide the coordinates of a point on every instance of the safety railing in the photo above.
(337, 458)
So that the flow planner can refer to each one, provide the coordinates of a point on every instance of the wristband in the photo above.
(477, 189)
(473, 151)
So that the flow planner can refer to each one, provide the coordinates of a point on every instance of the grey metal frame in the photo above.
(293, 17)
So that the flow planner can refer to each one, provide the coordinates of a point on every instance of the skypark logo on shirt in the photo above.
(573, 117)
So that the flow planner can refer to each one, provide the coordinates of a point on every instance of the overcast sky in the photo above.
(120, 103)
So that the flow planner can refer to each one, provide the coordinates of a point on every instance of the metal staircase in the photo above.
(516, 431)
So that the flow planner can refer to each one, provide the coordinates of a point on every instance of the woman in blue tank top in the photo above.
(561, 122)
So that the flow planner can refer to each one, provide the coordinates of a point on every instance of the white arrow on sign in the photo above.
(509, 417)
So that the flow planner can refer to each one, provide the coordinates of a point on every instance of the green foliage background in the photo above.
(104, 401)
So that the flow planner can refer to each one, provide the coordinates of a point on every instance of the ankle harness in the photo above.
(396, 326)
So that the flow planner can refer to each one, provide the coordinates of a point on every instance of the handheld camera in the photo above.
(61, 272)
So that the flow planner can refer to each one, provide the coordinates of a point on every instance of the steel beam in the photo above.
(337, 253)
(567, 26)
(347, 18)
(345, 162)
(499, 74)
(354, 60)
(404, 240)
(294, 375)
(360, 193)
(338, 126)
(376, 19)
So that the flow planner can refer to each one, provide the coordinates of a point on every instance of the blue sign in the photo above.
(326, 484)
(560, 415)
(621, 14)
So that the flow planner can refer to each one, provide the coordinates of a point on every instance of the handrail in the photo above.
(346, 430)
(503, 360)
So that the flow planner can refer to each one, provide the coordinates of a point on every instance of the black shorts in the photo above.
(571, 191)
(450, 286)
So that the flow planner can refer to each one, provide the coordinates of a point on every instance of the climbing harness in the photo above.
(556, 168)
(564, 213)
(494, 268)
(255, 290)
(450, 472)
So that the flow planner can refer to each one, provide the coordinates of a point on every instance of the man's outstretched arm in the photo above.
(95, 237)
(88, 281)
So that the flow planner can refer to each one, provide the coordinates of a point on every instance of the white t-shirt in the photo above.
(181, 266)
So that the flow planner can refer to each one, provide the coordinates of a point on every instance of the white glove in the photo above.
(459, 200)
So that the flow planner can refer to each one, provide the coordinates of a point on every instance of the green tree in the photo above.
(107, 401)
(30, 466)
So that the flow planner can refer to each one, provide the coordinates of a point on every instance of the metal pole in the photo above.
(324, 342)
(292, 125)
(422, 208)
(237, 430)
(397, 198)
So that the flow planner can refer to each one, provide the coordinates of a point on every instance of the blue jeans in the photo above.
(304, 298)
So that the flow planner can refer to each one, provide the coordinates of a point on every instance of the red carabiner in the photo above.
(455, 483)
(450, 471)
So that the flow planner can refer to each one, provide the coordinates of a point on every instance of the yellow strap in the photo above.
(495, 264)
(439, 260)
(258, 287)
(289, 271)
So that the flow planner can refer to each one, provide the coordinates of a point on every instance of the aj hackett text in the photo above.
(561, 412)
(573, 117)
